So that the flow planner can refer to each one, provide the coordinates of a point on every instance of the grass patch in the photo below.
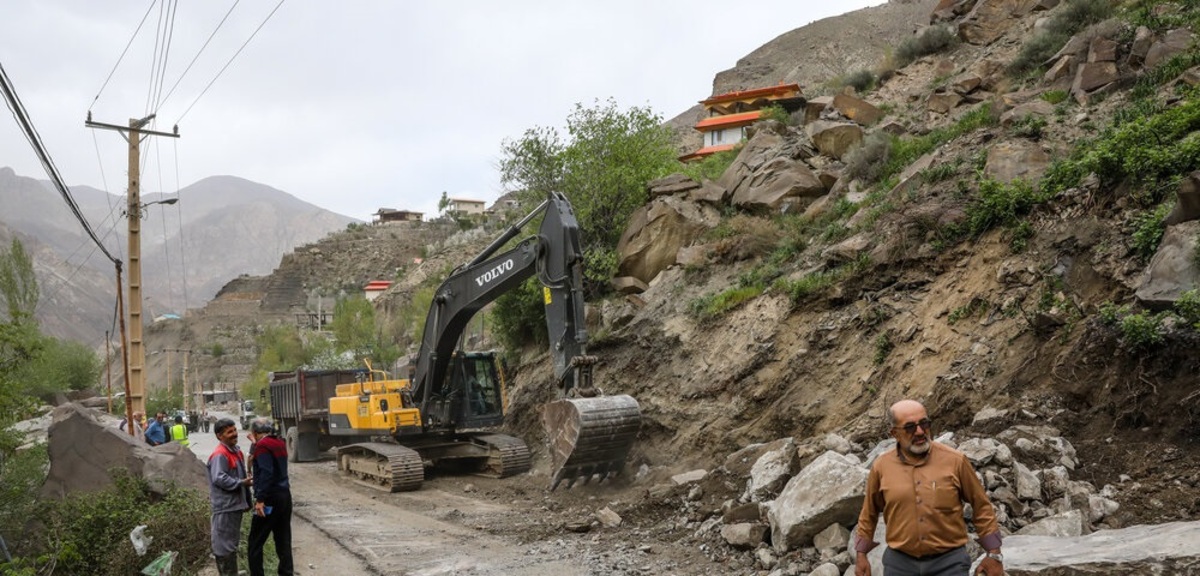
(716, 305)
(817, 282)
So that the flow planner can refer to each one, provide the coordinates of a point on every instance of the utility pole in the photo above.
(136, 353)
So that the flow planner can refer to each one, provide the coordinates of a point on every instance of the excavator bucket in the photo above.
(590, 436)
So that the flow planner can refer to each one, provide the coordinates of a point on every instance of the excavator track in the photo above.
(590, 436)
(508, 456)
(383, 466)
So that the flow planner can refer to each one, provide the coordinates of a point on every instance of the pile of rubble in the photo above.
(799, 502)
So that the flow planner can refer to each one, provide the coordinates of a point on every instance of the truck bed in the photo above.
(305, 394)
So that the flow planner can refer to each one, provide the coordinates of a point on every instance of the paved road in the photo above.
(314, 551)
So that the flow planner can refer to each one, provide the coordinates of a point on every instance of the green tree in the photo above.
(20, 340)
(603, 170)
(18, 284)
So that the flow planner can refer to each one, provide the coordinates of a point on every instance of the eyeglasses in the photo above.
(911, 427)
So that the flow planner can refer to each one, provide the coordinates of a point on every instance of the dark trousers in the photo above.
(278, 524)
(954, 562)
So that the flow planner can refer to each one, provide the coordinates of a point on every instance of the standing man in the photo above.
(272, 498)
(155, 433)
(138, 432)
(179, 431)
(229, 492)
(920, 488)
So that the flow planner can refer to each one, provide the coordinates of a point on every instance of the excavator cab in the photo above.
(478, 390)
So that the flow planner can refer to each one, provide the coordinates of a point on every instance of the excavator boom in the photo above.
(590, 434)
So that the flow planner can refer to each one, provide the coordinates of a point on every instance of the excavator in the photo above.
(446, 413)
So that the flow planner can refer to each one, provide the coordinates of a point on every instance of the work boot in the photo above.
(227, 565)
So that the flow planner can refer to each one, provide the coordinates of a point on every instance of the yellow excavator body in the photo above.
(375, 407)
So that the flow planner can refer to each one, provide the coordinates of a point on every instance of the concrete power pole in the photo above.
(136, 353)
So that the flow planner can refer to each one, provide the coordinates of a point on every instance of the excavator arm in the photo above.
(555, 256)
(589, 434)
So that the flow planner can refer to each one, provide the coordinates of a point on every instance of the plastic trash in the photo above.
(161, 566)
(141, 541)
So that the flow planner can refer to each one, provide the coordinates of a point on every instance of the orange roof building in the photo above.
(374, 288)
(729, 114)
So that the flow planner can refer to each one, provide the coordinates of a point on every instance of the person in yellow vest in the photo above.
(179, 431)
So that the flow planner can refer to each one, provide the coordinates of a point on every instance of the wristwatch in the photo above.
(996, 556)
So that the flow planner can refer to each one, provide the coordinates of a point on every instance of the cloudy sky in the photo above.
(355, 105)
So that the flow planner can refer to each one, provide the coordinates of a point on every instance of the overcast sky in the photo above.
(357, 105)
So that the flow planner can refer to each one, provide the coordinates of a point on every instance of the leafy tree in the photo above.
(61, 365)
(18, 284)
(355, 328)
(281, 349)
(603, 170)
(444, 203)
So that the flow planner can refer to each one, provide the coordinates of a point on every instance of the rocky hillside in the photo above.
(221, 227)
(1005, 246)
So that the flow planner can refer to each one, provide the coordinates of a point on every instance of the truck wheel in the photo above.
(292, 435)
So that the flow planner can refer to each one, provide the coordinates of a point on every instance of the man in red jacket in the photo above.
(272, 498)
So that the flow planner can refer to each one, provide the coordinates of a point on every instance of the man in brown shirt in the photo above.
(920, 489)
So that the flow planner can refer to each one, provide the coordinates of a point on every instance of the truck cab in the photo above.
(246, 413)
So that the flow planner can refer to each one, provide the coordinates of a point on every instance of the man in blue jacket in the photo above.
(156, 433)
(272, 498)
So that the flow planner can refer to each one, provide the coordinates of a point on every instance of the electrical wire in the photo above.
(231, 59)
(123, 52)
(183, 270)
(170, 36)
(22, 117)
(196, 57)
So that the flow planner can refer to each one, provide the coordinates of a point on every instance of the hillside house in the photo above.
(728, 115)
(374, 288)
(466, 207)
(389, 215)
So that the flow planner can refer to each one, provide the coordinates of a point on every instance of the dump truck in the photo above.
(387, 430)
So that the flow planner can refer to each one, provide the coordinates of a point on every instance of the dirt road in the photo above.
(453, 525)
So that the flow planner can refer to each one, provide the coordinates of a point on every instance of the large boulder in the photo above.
(834, 139)
(827, 491)
(1017, 159)
(1173, 269)
(990, 19)
(657, 231)
(85, 454)
(778, 182)
(1172, 548)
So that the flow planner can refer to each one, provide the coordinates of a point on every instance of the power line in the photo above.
(35, 140)
(196, 57)
(231, 59)
(123, 52)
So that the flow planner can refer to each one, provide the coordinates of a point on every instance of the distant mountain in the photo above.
(221, 228)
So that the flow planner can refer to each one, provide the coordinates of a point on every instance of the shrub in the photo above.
(1188, 308)
(866, 160)
(711, 167)
(883, 347)
(1142, 330)
(1065, 23)
(89, 533)
(1055, 96)
(999, 204)
(1148, 230)
(775, 112)
(932, 40)
(1029, 127)
(861, 80)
